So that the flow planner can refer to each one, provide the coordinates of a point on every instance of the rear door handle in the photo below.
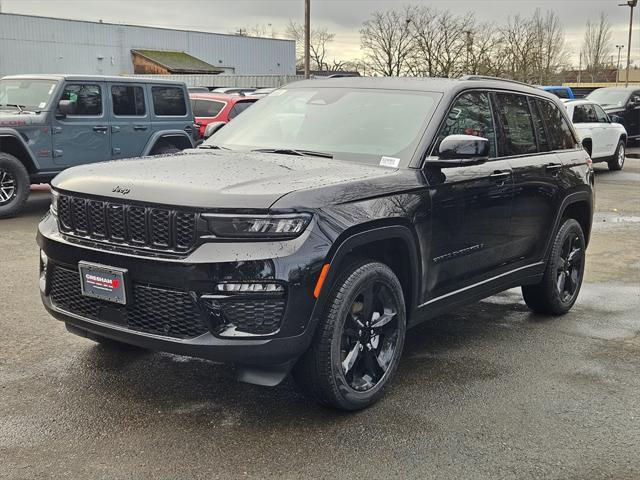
(140, 127)
(100, 128)
(500, 174)
(553, 166)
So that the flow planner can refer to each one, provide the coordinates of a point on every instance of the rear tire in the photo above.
(14, 185)
(560, 285)
(358, 342)
(617, 161)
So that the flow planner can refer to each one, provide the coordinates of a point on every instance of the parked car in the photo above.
(602, 138)
(263, 92)
(233, 90)
(559, 91)
(294, 240)
(623, 103)
(52, 122)
(217, 107)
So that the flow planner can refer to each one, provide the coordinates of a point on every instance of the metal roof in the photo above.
(177, 62)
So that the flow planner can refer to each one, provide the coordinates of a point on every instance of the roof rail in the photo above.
(487, 77)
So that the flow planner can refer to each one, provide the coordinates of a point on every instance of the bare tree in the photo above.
(387, 41)
(597, 46)
(550, 54)
(258, 30)
(320, 38)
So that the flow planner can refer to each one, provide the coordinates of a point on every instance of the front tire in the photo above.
(560, 285)
(14, 185)
(359, 340)
(617, 161)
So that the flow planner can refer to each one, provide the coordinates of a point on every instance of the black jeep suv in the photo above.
(311, 233)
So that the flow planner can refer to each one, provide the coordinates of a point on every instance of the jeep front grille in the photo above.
(128, 225)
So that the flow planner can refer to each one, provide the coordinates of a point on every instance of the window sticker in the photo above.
(42, 104)
(390, 162)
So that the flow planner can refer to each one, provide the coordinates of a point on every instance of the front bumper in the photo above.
(293, 263)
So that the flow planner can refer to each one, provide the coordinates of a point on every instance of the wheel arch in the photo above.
(13, 144)
(392, 244)
(579, 206)
(177, 138)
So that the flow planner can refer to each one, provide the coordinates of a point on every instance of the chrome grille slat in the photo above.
(161, 229)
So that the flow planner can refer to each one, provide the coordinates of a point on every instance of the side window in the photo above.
(517, 125)
(238, 108)
(539, 126)
(470, 115)
(584, 113)
(128, 100)
(207, 108)
(560, 93)
(560, 134)
(87, 98)
(602, 116)
(169, 101)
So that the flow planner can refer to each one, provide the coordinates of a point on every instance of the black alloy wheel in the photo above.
(559, 288)
(369, 337)
(359, 339)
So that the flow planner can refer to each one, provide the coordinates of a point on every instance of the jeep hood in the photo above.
(216, 179)
(11, 118)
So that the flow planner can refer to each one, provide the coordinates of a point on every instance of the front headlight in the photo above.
(257, 226)
(54, 203)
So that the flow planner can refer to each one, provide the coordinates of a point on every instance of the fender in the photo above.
(362, 238)
(165, 134)
(572, 198)
(31, 162)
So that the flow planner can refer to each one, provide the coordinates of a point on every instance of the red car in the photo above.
(217, 107)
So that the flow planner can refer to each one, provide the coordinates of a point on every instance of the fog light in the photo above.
(250, 287)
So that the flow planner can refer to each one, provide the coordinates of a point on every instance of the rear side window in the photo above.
(169, 101)
(517, 124)
(470, 115)
(86, 97)
(540, 128)
(128, 100)
(560, 92)
(206, 108)
(238, 108)
(584, 114)
(560, 135)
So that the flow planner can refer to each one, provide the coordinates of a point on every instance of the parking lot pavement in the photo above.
(487, 391)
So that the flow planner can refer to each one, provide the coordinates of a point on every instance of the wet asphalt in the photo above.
(489, 391)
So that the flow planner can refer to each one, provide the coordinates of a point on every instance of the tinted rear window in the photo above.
(169, 101)
(238, 108)
(517, 126)
(560, 136)
(206, 108)
(127, 100)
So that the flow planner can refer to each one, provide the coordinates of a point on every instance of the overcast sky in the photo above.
(342, 17)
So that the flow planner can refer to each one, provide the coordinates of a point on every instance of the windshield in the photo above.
(27, 94)
(346, 123)
(605, 96)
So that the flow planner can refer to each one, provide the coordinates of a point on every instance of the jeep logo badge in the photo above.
(119, 189)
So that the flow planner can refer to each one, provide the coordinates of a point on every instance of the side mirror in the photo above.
(212, 128)
(615, 119)
(461, 150)
(66, 107)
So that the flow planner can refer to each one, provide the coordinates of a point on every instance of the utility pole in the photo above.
(580, 69)
(619, 47)
(307, 38)
(631, 4)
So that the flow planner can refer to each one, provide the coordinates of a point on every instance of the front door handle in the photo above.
(140, 127)
(100, 128)
(553, 166)
(500, 174)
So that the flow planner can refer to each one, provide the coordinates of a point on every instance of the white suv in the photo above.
(601, 136)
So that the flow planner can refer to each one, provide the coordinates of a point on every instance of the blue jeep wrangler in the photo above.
(51, 122)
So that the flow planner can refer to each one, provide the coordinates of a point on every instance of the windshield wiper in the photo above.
(208, 146)
(292, 151)
(19, 107)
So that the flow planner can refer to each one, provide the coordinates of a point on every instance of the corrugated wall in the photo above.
(46, 45)
(222, 80)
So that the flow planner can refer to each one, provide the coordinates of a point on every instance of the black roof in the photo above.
(426, 84)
